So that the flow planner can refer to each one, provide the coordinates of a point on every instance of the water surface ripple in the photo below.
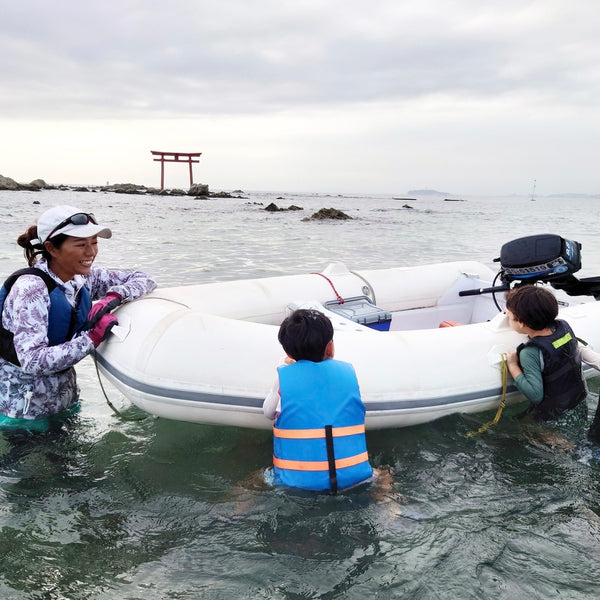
(104, 508)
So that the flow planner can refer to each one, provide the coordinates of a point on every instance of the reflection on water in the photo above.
(104, 508)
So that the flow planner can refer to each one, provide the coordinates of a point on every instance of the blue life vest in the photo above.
(319, 435)
(64, 321)
(564, 387)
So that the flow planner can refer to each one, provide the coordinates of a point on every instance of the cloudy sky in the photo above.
(464, 96)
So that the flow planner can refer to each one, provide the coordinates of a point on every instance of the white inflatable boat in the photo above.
(208, 353)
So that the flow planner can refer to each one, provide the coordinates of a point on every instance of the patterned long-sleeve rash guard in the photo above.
(45, 383)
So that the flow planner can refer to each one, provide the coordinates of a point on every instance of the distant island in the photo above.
(428, 193)
(574, 196)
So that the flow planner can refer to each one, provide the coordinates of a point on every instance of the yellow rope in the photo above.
(504, 373)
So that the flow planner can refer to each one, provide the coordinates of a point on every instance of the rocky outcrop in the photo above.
(41, 185)
(198, 189)
(274, 208)
(6, 183)
(124, 188)
(328, 213)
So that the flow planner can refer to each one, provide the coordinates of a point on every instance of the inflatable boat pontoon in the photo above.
(208, 353)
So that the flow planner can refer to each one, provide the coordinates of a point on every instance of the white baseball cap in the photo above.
(69, 221)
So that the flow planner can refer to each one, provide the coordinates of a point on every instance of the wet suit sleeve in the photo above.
(530, 382)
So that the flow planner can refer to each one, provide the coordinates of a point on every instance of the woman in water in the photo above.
(47, 322)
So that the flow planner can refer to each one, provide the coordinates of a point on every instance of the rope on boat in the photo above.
(115, 410)
(504, 373)
(338, 297)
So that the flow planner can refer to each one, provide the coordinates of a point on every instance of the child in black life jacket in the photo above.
(319, 430)
(547, 368)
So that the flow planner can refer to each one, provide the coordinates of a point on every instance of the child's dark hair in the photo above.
(305, 334)
(533, 306)
(32, 249)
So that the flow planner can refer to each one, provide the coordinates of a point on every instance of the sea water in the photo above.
(131, 506)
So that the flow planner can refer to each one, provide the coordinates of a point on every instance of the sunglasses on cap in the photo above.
(76, 219)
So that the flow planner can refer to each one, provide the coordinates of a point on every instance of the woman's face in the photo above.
(74, 257)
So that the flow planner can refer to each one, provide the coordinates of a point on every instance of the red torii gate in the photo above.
(175, 157)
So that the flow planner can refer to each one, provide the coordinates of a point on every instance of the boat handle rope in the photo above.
(338, 297)
(485, 426)
(112, 406)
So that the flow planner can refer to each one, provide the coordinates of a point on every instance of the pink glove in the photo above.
(102, 327)
(110, 301)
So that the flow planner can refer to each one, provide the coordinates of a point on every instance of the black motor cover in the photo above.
(544, 256)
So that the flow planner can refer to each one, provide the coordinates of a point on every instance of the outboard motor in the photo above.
(539, 258)
(548, 258)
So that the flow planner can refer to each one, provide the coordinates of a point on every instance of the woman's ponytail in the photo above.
(31, 246)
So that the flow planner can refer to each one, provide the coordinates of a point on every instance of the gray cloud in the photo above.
(139, 59)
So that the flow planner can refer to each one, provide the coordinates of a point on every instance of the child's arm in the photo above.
(271, 403)
(528, 377)
(589, 357)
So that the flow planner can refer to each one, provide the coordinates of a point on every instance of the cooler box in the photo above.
(361, 310)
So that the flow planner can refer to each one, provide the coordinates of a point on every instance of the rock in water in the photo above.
(328, 213)
(198, 189)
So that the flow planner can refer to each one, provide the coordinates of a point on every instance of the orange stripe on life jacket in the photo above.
(320, 465)
(306, 434)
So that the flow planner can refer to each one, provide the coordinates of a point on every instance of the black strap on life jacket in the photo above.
(7, 347)
(50, 283)
(73, 321)
(333, 486)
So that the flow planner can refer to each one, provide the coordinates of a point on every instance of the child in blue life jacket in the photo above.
(319, 430)
(547, 368)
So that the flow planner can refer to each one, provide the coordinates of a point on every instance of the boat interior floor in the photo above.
(449, 309)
